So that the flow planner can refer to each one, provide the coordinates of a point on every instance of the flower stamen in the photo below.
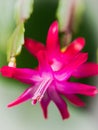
(38, 95)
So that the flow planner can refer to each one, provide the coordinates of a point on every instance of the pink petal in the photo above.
(66, 72)
(43, 63)
(26, 95)
(75, 47)
(7, 71)
(28, 76)
(42, 59)
(33, 46)
(60, 103)
(52, 42)
(76, 88)
(86, 70)
(75, 100)
(44, 104)
(24, 75)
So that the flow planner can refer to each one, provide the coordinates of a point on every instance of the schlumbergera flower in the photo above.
(51, 79)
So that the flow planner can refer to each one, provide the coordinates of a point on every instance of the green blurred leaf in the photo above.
(64, 12)
(23, 10)
(16, 41)
(79, 10)
(6, 22)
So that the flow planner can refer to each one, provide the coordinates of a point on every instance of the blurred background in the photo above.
(26, 116)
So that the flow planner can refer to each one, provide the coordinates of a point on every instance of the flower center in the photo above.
(56, 65)
(41, 89)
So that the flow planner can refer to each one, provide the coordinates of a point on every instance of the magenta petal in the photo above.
(7, 71)
(44, 104)
(78, 60)
(43, 62)
(60, 103)
(66, 72)
(52, 42)
(28, 76)
(42, 59)
(33, 46)
(75, 100)
(86, 70)
(24, 75)
(76, 88)
(26, 95)
(75, 47)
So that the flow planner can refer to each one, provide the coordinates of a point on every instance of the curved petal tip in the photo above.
(52, 37)
(7, 71)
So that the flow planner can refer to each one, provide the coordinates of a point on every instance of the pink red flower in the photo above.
(51, 78)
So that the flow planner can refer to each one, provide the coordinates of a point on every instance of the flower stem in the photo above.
(68, 29)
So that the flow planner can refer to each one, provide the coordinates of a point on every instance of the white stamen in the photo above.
(38, 95)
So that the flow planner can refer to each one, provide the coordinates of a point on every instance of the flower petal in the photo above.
(33, 46)
(86, 70)
(76, 88)
(52, 42)
(26, 95)
(28, 76)
(66, 72)
(60, 103)
(75, 100)
(75, 47)
(42, 59)
(44, 104)
(7, 71)
(44, 67)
